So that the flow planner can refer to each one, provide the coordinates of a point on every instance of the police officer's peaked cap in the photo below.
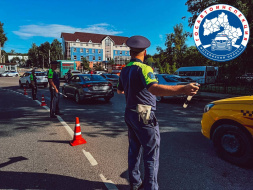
(138, 43)
(54, 63)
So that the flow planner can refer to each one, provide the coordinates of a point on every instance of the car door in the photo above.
(72, 85)
(23, 78)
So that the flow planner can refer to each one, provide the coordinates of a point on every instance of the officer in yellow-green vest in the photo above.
(34, 84)
(54, 86)
(140, 87)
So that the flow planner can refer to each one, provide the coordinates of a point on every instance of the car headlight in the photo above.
(208, 107)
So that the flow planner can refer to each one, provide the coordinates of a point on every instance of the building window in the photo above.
(93, 45)
(74, 44)
(87, 50)
(87, 44)
(98, 45)
(99, 51)
(120, 52)
(81, 50)
(87, 58)
(81, 44)
(74, 49)
(81, 58)
(99, 58)
(93, 50)
(94, 58)
(116, 52)
(125, 52)
(74, 57)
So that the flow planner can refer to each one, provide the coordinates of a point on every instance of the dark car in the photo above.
(87, 86)
(112, 78)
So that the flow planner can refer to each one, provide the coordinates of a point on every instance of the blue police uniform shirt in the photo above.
(135, 79)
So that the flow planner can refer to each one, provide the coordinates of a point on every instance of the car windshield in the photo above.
(113, 76)
(93, 78)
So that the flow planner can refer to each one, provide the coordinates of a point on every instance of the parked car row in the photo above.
(9, 74)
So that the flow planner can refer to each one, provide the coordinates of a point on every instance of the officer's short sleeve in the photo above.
(148, 76)
(120, 85)
(50, 74)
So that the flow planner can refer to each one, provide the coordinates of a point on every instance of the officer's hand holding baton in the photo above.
(190, 90)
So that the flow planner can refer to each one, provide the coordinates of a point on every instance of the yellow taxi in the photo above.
(229, 124)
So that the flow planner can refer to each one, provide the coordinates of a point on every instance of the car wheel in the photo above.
(77, 98)
(16, 75)
(107, 99)
(27, 84)
(233, 144)
(159, 98)
(20, 84)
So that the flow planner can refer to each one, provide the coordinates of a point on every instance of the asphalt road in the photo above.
(35, 150)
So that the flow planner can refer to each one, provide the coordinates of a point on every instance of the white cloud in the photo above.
(161, 37)
(54, 30)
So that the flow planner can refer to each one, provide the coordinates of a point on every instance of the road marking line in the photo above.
(108, 183)
(88, 155)
(70, 131)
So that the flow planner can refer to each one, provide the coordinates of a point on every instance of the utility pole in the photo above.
(49, 56)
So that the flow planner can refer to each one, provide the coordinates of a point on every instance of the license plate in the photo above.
(99, 87)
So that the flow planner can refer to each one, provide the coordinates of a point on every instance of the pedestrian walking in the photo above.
(33, 79)
(140, 87)
(54, 86)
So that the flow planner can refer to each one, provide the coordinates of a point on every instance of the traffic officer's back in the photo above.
(143, 129)
(54, 86)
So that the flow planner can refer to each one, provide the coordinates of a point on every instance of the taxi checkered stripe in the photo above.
(247, 113)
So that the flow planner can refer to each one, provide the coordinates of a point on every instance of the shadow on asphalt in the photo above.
(25, 180)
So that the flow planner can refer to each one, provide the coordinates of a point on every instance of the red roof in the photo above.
(95, 38)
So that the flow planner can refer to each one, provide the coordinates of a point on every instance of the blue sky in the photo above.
(27, 22)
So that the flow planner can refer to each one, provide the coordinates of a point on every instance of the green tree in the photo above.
(111, 62)
(44, 51)
(3, 39)
(150, 61)
(33, 55)
(56, 50)
(85, 64)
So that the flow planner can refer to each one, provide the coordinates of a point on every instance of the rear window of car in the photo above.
(40, 74)
(171, 79)
(113, 76)
(93, 78)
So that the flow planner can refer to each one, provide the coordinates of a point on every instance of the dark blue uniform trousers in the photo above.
(143, 139)
(54, 104)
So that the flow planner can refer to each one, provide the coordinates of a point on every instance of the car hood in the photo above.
(236, 100)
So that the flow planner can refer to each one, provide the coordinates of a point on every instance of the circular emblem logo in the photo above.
(221, 32)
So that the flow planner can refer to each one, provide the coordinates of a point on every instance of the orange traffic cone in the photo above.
(25, 93)
(78, 139)
(43, 103)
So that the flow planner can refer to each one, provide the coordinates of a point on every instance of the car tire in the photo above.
(77, 98)
(27, 84)
(233, 145)
(16, 75)
(107, 99)
(20, 84)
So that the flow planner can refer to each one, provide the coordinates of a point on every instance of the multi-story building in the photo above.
(96, 48)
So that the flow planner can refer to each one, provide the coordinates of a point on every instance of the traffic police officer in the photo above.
(33, 79)
(54, 86)
(139, 85)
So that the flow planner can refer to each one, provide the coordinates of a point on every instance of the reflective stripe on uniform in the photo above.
(50, 73)
(147, 72)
